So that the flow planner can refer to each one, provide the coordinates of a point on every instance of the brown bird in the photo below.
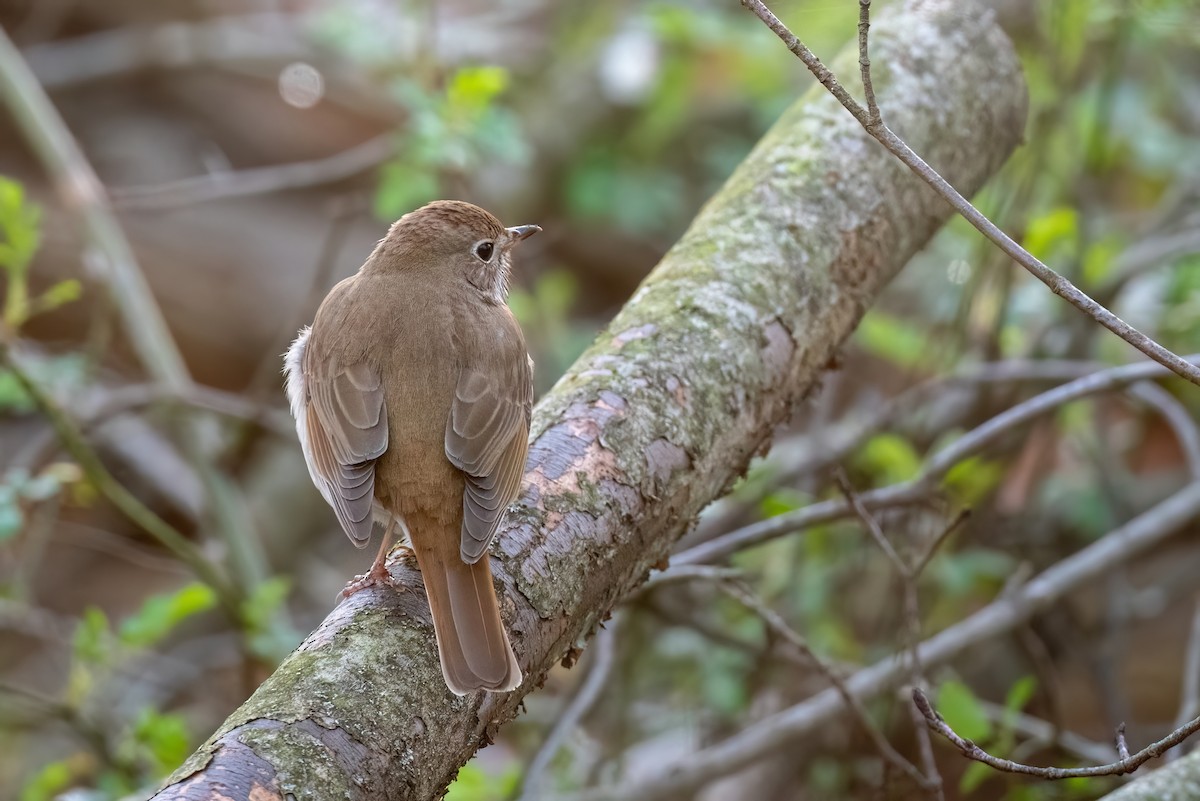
(412, 392)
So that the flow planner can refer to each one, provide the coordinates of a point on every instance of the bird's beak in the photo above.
(519, 232)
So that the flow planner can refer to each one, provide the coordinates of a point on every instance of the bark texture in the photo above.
(718, 346)
(1177, 781)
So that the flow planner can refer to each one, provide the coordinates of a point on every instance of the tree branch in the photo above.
(872, 122)
(807, 718)
(728, 334)
(257, 180)
(82, 192)
(922, 487)
(1126, 764)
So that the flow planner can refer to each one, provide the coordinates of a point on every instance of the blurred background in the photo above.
(254, 151)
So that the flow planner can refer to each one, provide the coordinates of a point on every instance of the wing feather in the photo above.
(347, 432)
(487, 437)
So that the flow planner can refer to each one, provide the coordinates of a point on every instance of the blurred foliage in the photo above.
(474, 783)
(136, 747)
(20, 227)
(544, 311)
(452, 132)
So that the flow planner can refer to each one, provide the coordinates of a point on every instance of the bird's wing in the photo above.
(347, 431)
(487, 437)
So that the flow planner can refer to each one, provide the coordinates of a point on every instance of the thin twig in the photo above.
(82, 192)
(1127, 763)
(1177, 416)
(1119, 739)
(920, 488)
(937, 542)
(779, 628)
(687, 572)
(864, 59)
(932, 399)
(1040, 732)
(909, 576)
(604, 650)
(1189, 704)
(872, 525)
(925, 749)
(220, 40)
(257, 180)
(125, 501)
(877, 129)
(806, 718)
(908, 493)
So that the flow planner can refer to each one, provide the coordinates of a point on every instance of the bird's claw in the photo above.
(377, 576)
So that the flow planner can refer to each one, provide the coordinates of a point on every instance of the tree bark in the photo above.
(723, 340)
(1177, 781)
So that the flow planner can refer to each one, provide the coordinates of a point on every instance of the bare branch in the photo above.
(1189, 705)
(864, 60)
(779, 628)
(1127, 763)
(82, 192)
(604, 651)
(936, 543)
(125, 501)
(1119, 739)
(911, 612)
(783, 729)
(1177, 416)
(257, 181)
(922, 487)
(872, 526)
(1039, 732)
(906, 494)
(225, 39)
(880, 131)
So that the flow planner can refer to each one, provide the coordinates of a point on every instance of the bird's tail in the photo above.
(472, 643)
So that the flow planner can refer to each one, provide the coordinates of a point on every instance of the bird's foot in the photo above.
(377, 576)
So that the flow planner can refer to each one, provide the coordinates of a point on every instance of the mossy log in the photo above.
(718, 346)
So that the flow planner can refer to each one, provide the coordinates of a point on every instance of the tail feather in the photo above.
(472, 643)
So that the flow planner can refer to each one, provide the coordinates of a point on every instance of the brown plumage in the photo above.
(412, 393)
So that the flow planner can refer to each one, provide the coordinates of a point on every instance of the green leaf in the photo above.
(1056, 229)
(962, 573)
(259, 610)
(92, 643)
(474, 88)
(782, 501)
(895, 340)
(1020, 694)
(11, 516)
(958, 705)
(969, 481)
(975, 775)
(404, 187)
(474, 783)
(889, 458)
(164, 738)
(51, 780)
(58, 295)
(160, 614)
(20, 223)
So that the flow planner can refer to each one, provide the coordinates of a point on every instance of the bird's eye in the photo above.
(484, 251)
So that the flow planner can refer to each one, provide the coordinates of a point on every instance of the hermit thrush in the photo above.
(412, 392)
